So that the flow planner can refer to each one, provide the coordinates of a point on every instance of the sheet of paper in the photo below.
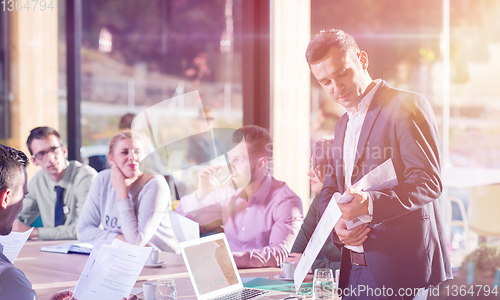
(323, 229)
(184, 228)
(111, 271)
(382, 177)
(13, 243)
(84, 277)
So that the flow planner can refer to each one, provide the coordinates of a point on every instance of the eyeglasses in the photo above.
(42, 154)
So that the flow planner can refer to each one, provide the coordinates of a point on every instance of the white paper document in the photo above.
(382, 177)
(111, 271)
(13, 243)
(184, 228)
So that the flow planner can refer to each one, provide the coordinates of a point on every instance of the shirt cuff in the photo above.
(369, 217)
(241, 259)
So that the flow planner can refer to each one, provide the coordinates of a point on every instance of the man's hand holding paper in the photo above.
(353, 237)
(355, 203)
(357, 207)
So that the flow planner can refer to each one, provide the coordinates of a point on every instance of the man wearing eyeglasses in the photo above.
(57, 192)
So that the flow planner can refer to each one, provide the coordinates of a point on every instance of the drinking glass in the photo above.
(165, 290)
(220, 178)
(323, 284)
(149, 290)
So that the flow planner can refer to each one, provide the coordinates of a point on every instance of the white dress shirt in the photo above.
(353, 130)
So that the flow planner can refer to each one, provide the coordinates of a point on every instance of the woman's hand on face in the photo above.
(118, 182)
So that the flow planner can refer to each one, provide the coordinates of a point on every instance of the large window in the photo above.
(136, 54)
(406, 42)
(4, 82)
(403, 41)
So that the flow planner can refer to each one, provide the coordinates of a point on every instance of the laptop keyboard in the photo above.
(243, 294)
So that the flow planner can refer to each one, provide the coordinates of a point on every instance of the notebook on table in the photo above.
(213, 272)
(65, 248)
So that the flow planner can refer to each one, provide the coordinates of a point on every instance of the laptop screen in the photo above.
(211, 266)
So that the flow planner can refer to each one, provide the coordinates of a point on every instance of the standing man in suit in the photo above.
(400, 250)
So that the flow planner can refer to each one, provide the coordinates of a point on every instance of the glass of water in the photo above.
(220, 178)
(323, 284)
(165, 290)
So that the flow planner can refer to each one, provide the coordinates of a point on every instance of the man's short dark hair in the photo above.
(126, 121)
(12, 163)
(258, 141)
(41, 133)
(325, 40)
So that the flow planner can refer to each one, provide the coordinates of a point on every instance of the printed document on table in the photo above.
(111, 271)
(13, 243)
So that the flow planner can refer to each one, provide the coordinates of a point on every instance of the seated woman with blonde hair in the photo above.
(125, 203)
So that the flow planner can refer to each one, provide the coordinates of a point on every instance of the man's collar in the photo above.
(367, 99)
(263, 190)
(65, 180)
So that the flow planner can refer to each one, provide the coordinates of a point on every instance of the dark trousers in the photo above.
(362, 286)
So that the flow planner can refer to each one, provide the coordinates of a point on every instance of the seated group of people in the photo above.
(400, 246)
(261, 216)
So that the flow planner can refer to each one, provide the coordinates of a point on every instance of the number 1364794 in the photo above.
(27, 5)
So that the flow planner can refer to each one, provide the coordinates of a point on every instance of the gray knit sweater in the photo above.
(142, 218)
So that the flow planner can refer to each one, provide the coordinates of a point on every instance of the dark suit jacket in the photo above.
(406, 247)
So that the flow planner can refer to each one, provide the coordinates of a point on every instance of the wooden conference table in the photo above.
(53, 272)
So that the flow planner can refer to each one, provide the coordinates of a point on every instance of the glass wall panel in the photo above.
(405, 42)
(137, 54)
(4, 82)
(403, 45)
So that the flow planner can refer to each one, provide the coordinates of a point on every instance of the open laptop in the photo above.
(214, 274)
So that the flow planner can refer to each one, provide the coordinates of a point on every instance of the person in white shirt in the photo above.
(402, 244)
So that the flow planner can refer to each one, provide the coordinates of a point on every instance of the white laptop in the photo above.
(214, 274)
